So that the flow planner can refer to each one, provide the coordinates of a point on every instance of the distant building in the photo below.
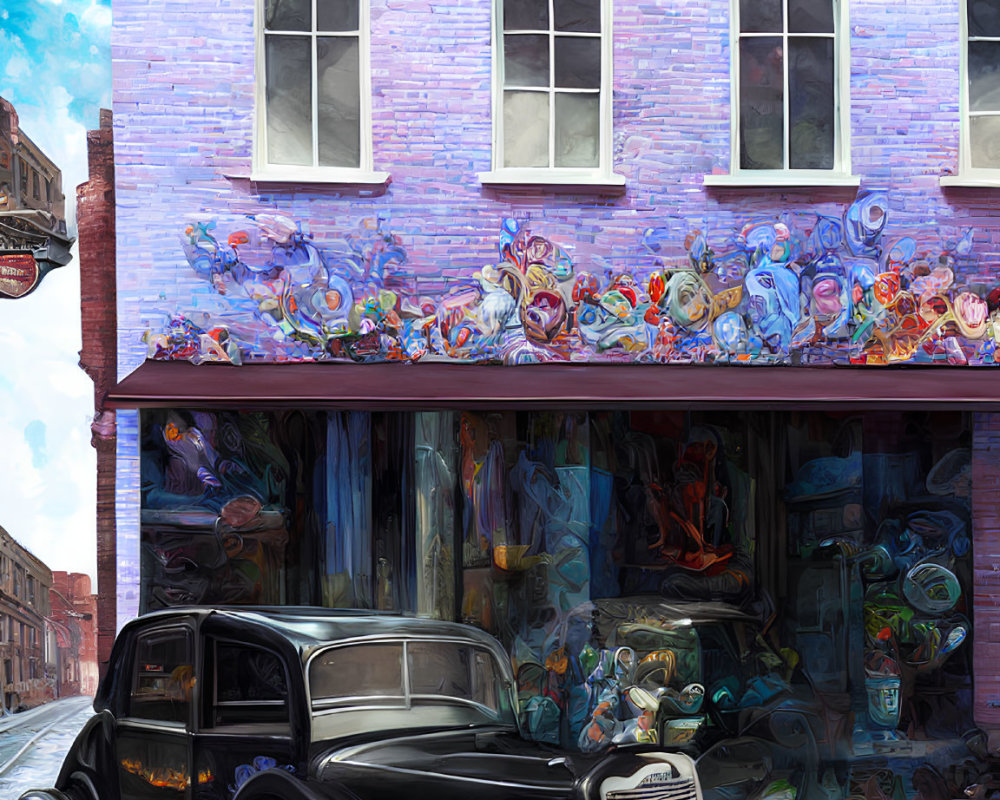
(28, 178)
(33, 237)
(73, 622)
(24, 606)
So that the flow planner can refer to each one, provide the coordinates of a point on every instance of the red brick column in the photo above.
(95, 203)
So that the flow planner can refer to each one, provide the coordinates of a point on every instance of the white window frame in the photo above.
(602, 174)
(841, 174)
(261, 170)
(967, 174)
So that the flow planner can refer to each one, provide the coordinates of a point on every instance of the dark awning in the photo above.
(439, 385)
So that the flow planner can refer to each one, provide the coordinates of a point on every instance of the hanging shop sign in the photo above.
(19, 274)
(31, 244)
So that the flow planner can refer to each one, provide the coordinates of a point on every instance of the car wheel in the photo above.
(81, 788)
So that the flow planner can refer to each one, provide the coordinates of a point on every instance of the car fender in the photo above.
(90, 765)
(279, 784)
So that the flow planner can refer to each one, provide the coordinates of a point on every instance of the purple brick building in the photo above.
(700, 298)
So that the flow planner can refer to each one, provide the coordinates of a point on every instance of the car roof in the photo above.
(307, 627)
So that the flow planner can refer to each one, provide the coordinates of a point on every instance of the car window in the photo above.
(447, 669)
(164, 676)
(357, 671)
(437, 671)
(251, 685)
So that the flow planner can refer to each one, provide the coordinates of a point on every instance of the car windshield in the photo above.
(416, 675)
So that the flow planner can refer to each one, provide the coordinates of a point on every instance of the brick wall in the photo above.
(95, 202)
(126, 593)
(184, 109)
(986, 578)
(75, 611)
(184, 97)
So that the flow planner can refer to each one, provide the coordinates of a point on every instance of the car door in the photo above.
(245, 724)
(153, 736)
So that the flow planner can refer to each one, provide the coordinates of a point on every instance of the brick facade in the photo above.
(431, 130)
(74, 618)
(184, 109)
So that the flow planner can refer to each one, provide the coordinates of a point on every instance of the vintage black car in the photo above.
(304, 703)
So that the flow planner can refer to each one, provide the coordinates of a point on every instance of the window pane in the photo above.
(455, 670)
(578, 63)
(761, 104)
(984, 17)
(289, 100)
(526, 60)
(985, 134)
(525, 129)
(246, 673)
(811, 104)
(578, 130)
(336, 15)
(439, 668)
(364, 670)
(288, 15)
(760, 16)
(984, 76)
(164, 677)
(810, 16)
(339, 101)
(526, 15)
(578, 15)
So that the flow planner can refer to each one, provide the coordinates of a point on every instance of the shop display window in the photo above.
(784, 596)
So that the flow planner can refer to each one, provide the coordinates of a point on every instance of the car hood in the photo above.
(487, 765)
(466, 760)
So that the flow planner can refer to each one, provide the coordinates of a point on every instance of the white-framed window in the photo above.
(552, 76)
(790, 106)
(979, 94)
(313, 91)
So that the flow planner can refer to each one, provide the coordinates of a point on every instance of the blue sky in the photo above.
(55, 67)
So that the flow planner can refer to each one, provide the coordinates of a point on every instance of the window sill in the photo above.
(330, 176)
(581, 181)
(972, 180)
(783, 179)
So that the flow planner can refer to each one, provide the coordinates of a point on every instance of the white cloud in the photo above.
(12, 47)
(17, 67)
(55, 69)
(50, 509)
(96, 19)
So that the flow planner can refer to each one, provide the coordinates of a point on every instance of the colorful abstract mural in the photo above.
(833, 291)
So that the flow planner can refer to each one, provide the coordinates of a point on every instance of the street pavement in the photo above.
(34, 743)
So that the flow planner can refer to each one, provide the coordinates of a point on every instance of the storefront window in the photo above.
(786, 593)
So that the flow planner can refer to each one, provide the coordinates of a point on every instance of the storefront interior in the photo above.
(784, 595)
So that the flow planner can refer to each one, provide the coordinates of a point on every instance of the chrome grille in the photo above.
(669, 789)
